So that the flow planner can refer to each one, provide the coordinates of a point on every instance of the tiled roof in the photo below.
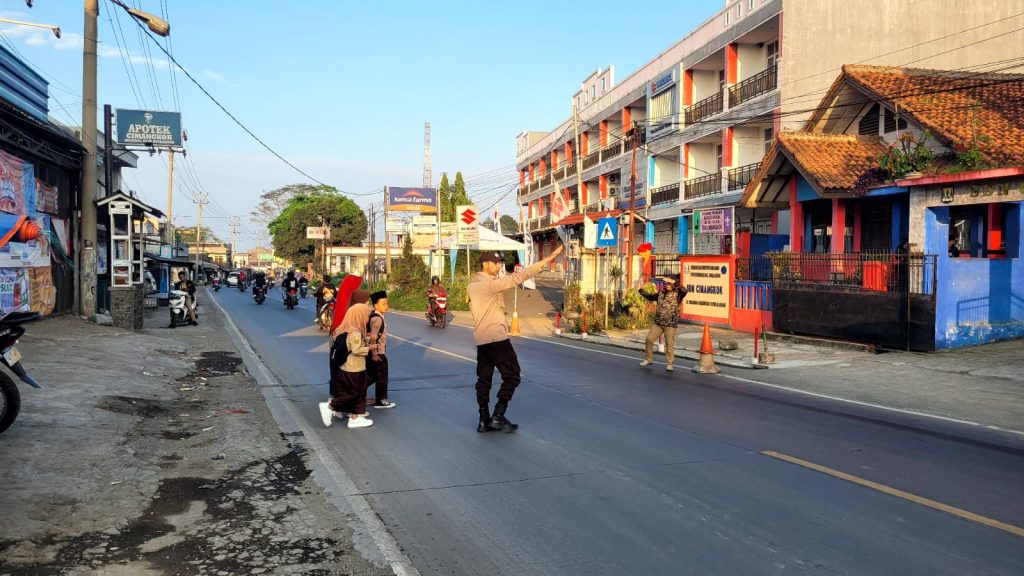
(954, 106)
(833, 162)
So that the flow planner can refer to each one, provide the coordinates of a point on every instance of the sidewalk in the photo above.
(983, 385)
(153, 453)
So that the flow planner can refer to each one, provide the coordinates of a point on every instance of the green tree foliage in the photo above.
(508, 225)
(322, 207)
(410, 272)
(444, 192)
(459, 195)
(272, 203)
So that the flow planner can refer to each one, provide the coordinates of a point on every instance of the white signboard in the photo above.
(708, 286)
(589, 233)
(467, 225)
(318, 232)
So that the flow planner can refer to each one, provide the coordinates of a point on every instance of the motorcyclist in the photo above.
(186, 285)
(290, 283)
(241, 278)
(260, 281)
(303, 285)
(433, 291)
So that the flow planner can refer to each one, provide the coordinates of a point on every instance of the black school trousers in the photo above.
(498, 355)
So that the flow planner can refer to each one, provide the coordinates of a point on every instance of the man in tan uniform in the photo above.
(490, 332)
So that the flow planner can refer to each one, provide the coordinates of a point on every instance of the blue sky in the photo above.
(342, 89)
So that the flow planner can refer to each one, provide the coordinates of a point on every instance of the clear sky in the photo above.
(342, 89)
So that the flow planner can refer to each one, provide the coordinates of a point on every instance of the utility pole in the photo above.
(579, 158)
(170, 198)
(201, 199)
(235, 223)
(632, 203)
(370, 251)
(87, 221)
(108, 151)
(387, 240)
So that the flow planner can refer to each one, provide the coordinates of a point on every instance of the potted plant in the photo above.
(907, 156)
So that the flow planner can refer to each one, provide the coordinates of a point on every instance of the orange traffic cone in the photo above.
(706, 365)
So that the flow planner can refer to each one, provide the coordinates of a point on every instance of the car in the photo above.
(232, 278)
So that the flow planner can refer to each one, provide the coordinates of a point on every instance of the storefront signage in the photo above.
(714, 221)
(318, 232)
(947, 194)
(664, 81)
(467, 224)
(708, 285)
(149, 128)
(412, 199)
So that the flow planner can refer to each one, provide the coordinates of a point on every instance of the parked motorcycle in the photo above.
(291, 300)
(438, 314)
(178, 305)
(259, 294)
(10, 397)
(325, 315)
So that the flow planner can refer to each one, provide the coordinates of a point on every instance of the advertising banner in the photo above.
(318, 232)
(709, 288)
(17, 185)
(412, 199)
(148, 128)
(42, 293)
(14, 290)
(467, 224)
(714, 221)
(46, 197)
(29, 254)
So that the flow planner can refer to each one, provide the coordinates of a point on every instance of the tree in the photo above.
(444, 193)
(459, 195)
(188, 235)
(508, 224)
(323, 207)
(274, 202)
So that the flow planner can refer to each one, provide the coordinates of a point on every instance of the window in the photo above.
(893, 122)
(772, 53)
(769, 137)
(661, 106)
(721, 80)
(751, 4)
(604, 85)
(868, 125)
(593, 90)
(718, 156)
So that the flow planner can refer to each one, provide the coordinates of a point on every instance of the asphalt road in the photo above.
(622, 470)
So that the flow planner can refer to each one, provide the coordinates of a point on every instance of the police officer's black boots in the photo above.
(485, 421)
(499, 422)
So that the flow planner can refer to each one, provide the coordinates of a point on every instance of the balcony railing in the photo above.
(704, 109)
(545, 221)
(609, 152)
(752, 87)
(592, 159)
(545, 180)
(704, 186)
(570, 169)
(740, 177)
(592, 207)
(665, 194)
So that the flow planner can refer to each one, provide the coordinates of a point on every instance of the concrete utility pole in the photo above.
(170, 198)
(235, 223)
(87, 220)
(632, 203)
(387, 240)
(201, 200)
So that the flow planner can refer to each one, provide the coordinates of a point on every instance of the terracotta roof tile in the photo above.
(954, 105)
(833, 161)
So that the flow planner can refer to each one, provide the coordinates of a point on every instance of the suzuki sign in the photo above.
(467, 225)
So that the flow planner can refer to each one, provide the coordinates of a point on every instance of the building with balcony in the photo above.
(708, 108)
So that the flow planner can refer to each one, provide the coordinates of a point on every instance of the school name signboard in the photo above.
(148, 128)
(708, 285)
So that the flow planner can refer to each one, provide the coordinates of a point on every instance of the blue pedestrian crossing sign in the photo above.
(607, 232)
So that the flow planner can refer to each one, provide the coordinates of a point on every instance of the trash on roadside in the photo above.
(218, 457)
(207, 429)
(187, 388)
(234, 411)
(116, 482)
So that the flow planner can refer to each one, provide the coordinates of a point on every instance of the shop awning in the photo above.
(576, 219)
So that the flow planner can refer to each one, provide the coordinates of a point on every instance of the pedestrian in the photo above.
(186, 285)
(377, 361)
(348, 367)
(490, 333)
(666, 320)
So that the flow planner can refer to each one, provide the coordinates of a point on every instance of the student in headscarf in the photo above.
(348, 366)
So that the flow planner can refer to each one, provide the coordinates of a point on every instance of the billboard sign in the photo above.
(708, 286)
(412, 199)
(714, 221)
(468, 225)
(318, 232)
(149, 128)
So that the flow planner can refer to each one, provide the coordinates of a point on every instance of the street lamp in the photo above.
(87, 224)
(52, 28)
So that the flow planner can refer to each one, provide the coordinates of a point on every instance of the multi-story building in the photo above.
(708, 108)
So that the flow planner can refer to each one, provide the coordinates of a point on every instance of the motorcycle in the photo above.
(179, 307)
(241, 286)
(10, 397)
(438, 314)
(290, 299)
(216, 284)
(303, 290)
(259, 294)
(325, 315)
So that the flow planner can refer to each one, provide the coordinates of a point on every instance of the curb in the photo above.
(730, 361)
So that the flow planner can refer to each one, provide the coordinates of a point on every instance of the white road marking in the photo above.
(907, 412)
(346, 488)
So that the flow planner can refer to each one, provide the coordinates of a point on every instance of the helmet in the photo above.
(435, 280)
(291, 273)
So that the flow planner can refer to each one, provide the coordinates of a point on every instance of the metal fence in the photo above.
(667, 265)
(865, 271)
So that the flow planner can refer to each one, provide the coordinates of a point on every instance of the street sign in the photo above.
(607, 232)
(148, 128)
(467, 225)
(318, 232)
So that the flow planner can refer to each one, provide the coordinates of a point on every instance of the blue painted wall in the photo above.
(978, 300)
(683, 234)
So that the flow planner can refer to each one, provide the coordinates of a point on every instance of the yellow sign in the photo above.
(709, 288)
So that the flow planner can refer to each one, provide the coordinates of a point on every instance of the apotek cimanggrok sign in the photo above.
(708, 285)
(148, 128)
